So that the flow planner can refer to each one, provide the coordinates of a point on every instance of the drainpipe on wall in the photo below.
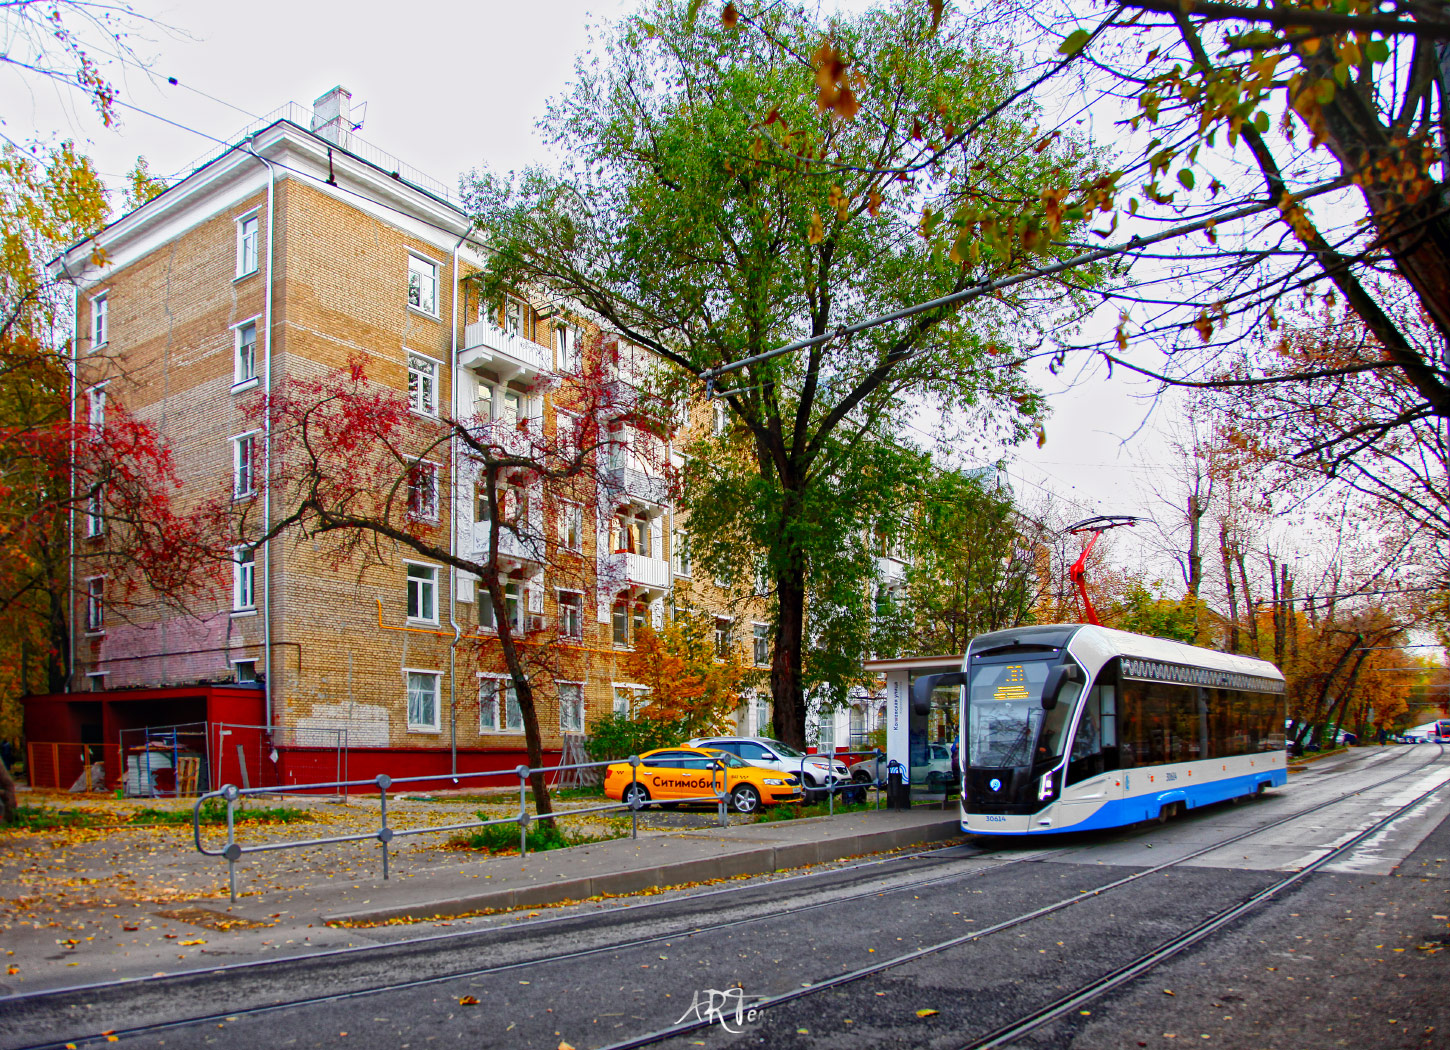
(453, 530)
(267, 441)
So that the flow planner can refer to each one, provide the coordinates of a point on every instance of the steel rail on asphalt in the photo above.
(767, 1003)
(693, 930)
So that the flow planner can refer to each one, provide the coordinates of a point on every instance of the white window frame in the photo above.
(756, 637)
(680, 553)
(247, 253)
(95, 605)
(95, 681)
(633, 701)
(423, 511)
(510, 706)
(516, 307)
(571, 514)
(96, 406)
(559, 596)
(100, 320)
(488, 700)
(427, 586)
(241, 381)
(728, 637)
(408, 678)
(244, 579)
(425, 264)
(574, 725)
(250, 676)
(96, 513)
(244, 451)
(422, 387)
(568, 345)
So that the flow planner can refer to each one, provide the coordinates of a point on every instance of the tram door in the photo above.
(930, 738)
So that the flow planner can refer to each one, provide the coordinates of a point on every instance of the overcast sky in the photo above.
(446, 87)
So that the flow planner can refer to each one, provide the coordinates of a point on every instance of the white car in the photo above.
(931, 766)
(772, 754)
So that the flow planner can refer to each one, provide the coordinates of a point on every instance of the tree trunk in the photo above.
(785, 666)
(9, 804)
(1278, 611)
(1228, 585)
(1249, 608)
(1291, 622)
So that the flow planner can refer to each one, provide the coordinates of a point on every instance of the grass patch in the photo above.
(540, 836)
(43, 818)
(818, 809)
(570, 794)
(214, 811)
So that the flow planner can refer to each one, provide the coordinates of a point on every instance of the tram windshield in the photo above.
(1006, 725)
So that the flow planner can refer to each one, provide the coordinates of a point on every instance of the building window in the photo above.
(567, 344)
(96, 681)
(96, 512)
(244, 367)
(620, 622)
(513, 600)
(100, 327)
(247, 245)
(423, 593)
(722, 637)
(513, 714)
(422, 385)
(628, 699)
(244, 465)
(246, 670)
(485, 609)
(571, 707)
(571, 614)
(722, 417)
(680, 550)
(423, 491)
(488, 705)
(571, 526)
(423, 699)
(762, 645)
(96, 604)
(96, 409)
(244, 575)
(423, 285)
(513, 317)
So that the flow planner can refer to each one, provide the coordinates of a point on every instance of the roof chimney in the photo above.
(331, 115)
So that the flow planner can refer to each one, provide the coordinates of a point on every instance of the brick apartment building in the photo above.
(282, 256)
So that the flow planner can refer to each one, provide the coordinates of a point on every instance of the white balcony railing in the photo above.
(485, 345)
(622, 568)
(629, 483)
(510, 544)
(523, 438)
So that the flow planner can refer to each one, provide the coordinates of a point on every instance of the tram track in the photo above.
(697, 929)
(1028, 1023)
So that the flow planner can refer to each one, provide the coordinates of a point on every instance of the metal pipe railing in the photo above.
(634, 800)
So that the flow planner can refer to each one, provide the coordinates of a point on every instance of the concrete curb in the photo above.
(755, 861)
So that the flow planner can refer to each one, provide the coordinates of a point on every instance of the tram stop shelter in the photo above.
(921, 742)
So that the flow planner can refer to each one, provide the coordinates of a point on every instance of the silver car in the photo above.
(772, 754)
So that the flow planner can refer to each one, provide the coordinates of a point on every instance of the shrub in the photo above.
(546, 835)
(614, 738)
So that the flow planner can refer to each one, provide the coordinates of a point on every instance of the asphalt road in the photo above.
(1353, 956)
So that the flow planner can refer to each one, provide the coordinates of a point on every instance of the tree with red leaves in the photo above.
(352, 461)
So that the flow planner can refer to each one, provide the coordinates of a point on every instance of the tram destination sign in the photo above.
(1182, 674)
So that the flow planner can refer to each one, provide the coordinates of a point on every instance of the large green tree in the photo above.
(693, 217)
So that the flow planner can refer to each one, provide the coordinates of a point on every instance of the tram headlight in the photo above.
(1044, 787)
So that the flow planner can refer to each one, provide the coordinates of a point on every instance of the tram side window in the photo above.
(1095, 744)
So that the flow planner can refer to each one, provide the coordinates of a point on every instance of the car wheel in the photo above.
(861, 777)
(745, 799)
(633, 793)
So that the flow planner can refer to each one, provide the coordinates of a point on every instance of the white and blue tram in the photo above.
(1073, 727)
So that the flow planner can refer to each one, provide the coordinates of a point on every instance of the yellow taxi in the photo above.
(675, 774)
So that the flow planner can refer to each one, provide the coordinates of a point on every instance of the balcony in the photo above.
(892, 570)
(622, 569)
(630, 485)
(512, 548)
(523, 438)
(509, 356)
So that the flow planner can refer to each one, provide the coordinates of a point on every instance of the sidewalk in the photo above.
(618, 866)
(114, 938)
